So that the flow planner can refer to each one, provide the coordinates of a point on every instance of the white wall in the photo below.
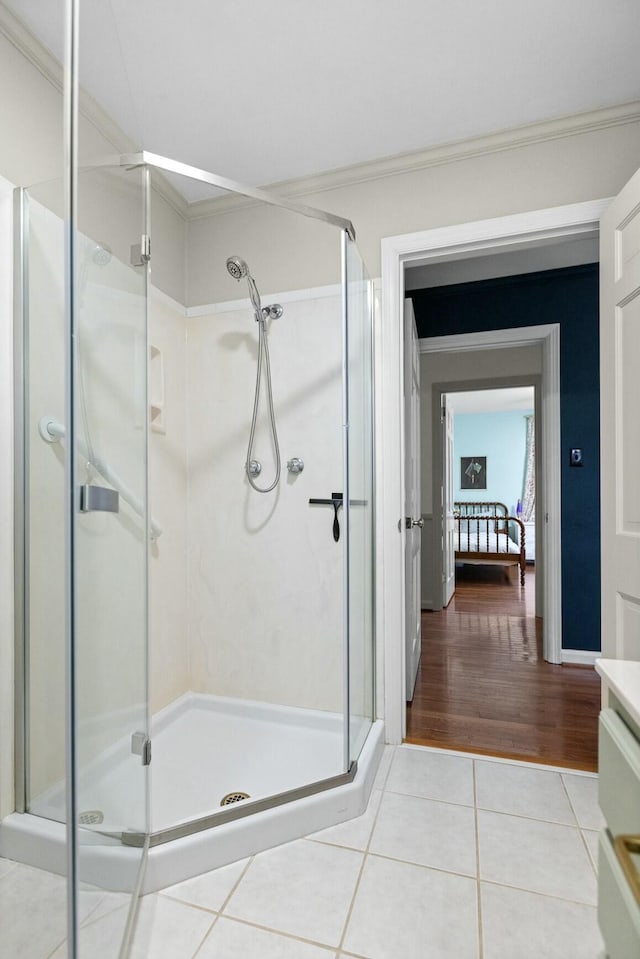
(265, 575)
(557, 171)
(31, 152)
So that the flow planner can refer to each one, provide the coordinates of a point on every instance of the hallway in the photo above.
(484, 687)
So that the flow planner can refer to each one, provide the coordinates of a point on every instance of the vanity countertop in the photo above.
(622, 676)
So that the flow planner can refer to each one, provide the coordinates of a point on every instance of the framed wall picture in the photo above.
(473, 472)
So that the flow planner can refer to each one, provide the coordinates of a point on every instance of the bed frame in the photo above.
(489, 524)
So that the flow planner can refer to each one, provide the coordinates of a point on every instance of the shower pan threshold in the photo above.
(203, 748)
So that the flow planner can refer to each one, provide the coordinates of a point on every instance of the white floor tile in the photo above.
(229, 939)
(33, 913)
(411, 912)
(583, 793)
(529, 926)
(101, 939)
(522, 791)
(209, 890)
(420, 772)
(437, 834)
(542, 857)
(355, 833)
(303, 888)
(168, 930)
(6, 866)
(383, 768)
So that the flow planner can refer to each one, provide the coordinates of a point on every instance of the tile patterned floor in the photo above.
(455, 858)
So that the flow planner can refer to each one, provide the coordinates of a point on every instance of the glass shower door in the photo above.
(110, 529)
(360, 507)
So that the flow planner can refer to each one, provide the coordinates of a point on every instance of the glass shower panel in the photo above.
(111, 534)
(44, 501)
(252, 667)
(359, 329)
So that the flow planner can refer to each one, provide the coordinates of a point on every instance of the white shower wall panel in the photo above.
(265, 600)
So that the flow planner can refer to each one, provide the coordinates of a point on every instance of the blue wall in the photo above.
(568, 297)
(501, 437)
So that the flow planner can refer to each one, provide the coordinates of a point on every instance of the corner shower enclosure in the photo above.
(208, 689)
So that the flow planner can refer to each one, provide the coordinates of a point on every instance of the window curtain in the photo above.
(529, 485)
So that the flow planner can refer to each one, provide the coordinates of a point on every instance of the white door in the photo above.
(412, 512)
(620, 423)
(448, 521)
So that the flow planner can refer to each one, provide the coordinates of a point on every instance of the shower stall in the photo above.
(194, 532)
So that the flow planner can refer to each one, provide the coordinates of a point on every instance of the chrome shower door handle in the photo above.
(99, 499)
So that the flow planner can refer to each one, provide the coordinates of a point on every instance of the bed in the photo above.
(486, 533)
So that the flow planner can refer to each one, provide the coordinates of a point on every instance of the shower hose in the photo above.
(263, 356)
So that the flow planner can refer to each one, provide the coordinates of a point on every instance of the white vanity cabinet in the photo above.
(619, 796)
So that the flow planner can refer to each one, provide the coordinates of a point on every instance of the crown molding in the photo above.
(533, 133)
(592, 121)
(51, 69)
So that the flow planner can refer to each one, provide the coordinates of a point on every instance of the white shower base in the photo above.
(203, 747)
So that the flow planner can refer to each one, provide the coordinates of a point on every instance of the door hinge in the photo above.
(141, 252)
(141, 746)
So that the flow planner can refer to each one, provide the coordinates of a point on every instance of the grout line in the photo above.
(235, 885)
(482, 757)
(385, 778)
(205, 937)
(364, 861)
(447, 802)
(216, 915)
(55, 949)
(536, 892)
(517, 815)
(477, 838)
(88, 921)
(571, 806)
(192, 905)
(277, 932)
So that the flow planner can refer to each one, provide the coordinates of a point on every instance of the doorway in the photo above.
(483, 684)
(444, 245)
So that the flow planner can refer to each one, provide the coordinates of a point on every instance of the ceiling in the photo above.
(511, 399)
(265, 92)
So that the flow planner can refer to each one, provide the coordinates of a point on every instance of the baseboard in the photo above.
(580, 657)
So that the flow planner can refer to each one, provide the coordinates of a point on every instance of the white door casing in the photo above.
(448, 522)
(620, 423)
(412, 510)
(501, 234)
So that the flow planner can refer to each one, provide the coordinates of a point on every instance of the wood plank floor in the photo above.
(484, 687)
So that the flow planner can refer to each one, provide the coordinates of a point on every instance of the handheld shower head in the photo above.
(237, 267)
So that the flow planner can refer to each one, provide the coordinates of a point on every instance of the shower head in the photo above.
(237, 267)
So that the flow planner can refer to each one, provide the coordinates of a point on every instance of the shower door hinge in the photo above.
(141, 746)
(141, 252)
